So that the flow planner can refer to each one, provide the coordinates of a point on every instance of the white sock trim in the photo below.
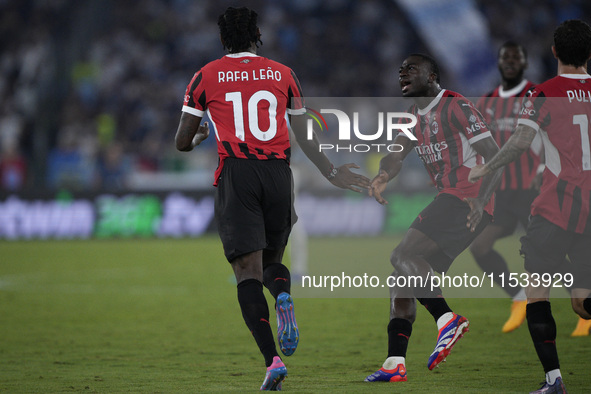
(392, 362)
(552, 375)
(520, 296)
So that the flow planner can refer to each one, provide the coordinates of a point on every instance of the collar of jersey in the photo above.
(576, 76)
(242, 54)
(432, 104)
(513, 91)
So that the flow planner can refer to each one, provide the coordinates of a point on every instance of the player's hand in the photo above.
(477, 172)
(347, 179)
(475, 215)
(536, 182)
(378, 185)
(201, 135)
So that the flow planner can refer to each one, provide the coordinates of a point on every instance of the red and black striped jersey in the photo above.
(247, 97)
(560, 111)
(500, 109)
(445, 131)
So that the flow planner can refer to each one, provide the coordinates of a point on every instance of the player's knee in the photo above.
(398, 256)
(408, 261)
(248, 266)
(403, 308)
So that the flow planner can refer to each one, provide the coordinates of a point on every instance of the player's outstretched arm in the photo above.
(390, 166)
(190, 132)
(513, 148)
(341, 176)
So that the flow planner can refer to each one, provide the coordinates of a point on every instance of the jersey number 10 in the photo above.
(253, 114)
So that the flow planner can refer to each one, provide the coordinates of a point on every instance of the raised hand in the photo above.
(378, 185)
(347, 179)
(475, 215)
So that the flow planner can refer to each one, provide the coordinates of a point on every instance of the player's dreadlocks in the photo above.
(238, 29)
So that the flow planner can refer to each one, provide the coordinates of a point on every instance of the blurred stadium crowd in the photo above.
(91, 91)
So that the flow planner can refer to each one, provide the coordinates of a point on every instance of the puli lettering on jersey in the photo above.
(445, 131)
(500, 109)
(246, 97)
(563, 119)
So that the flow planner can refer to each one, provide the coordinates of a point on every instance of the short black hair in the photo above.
(432, 62)
(512, 44)
(572, 40)
(238, 29)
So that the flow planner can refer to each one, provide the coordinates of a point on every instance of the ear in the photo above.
(433, 78)
(554, 52)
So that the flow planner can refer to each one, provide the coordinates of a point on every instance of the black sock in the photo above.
(437, 307)
(542, 329)
(493, 263)
(587, 305)
(277, 279)
(255, 312)
(399, 331)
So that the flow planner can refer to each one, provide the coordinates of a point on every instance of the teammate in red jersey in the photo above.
(451, 137)
(247, 98)
(560, 111)
(520, 180)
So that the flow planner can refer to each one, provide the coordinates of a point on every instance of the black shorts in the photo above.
(546, 245)
(444, 221)
(512, 207)
(254, 205)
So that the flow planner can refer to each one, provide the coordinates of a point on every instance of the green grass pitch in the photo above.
(161, 316)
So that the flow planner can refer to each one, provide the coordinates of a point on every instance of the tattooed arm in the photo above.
(513, 148)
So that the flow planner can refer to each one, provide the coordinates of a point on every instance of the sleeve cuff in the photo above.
(193, 111)
(530, 123)
(299, 111)
(479, 137)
